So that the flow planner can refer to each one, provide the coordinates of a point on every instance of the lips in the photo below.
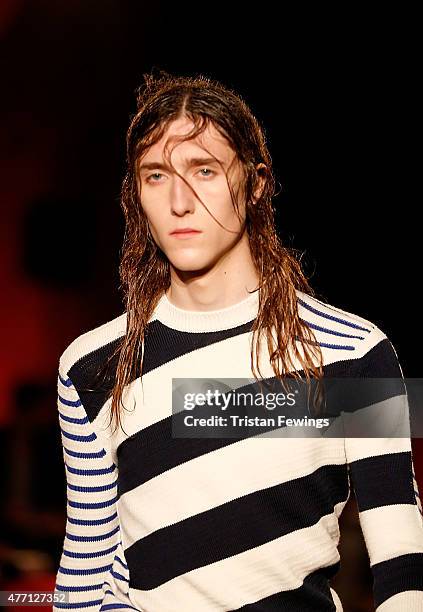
(186, 230)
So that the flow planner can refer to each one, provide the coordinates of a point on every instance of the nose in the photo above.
(182, 198)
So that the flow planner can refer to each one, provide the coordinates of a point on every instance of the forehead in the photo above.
(210, 140)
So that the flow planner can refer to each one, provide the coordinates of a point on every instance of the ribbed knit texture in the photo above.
(163, 524)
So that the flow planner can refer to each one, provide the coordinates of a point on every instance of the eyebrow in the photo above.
(193, 161)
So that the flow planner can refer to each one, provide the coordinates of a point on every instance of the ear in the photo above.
(262, 182)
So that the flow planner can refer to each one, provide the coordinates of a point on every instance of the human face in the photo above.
(169, 203)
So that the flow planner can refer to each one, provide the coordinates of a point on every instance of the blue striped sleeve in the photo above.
(92, 546)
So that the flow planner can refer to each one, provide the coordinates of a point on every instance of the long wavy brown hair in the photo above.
(145, 271)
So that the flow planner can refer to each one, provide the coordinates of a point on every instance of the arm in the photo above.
(92, 568)
(390, 514)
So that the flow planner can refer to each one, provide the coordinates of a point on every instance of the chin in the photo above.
(190, 264)
(187, 266)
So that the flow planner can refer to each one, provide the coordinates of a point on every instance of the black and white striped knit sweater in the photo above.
(163, 524)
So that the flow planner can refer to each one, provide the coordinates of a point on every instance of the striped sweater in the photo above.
(157, 523)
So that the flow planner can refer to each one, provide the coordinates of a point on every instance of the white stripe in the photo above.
(79, 596)
(91, 340)
(361, 448)
(91, 530)
(408, 601)
(384, 539)
(338, 603)
(334, 311)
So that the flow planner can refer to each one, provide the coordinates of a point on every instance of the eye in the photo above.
(207, 170)
(154, 174)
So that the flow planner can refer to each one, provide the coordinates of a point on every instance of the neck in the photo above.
(221, 285)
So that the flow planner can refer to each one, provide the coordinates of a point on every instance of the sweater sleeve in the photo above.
(92, 571)
(381, 471)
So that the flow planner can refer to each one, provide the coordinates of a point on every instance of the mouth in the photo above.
(185, 233)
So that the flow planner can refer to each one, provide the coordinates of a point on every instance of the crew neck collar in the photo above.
(207, 320)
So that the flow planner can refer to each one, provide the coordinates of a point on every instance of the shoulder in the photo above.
(91, 341)
(351, 335)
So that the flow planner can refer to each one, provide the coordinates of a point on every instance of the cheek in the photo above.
(151, 213)
(153, 228)
(231, 215)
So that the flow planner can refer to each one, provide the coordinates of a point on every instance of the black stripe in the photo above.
(314, 595)
(92, 379)
(351, 394)
(383, 480)
(403, 573)
(234, 527)
(162, 344)
(379, 362)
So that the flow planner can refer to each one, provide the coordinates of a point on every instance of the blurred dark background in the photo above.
(335, 91)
